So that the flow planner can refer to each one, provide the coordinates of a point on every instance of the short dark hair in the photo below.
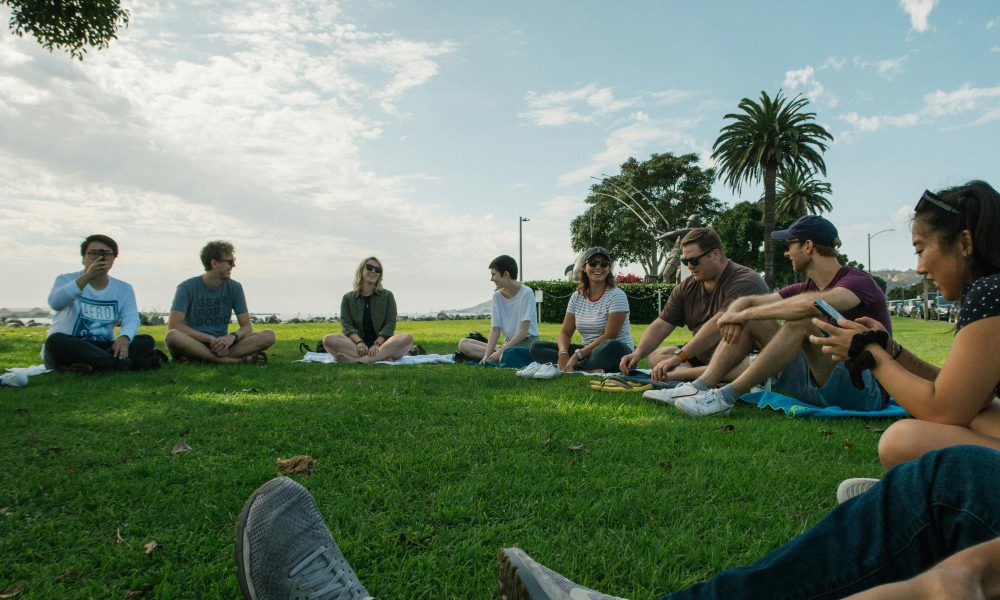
(706, 238)
(505, 264)
(214, 251)
(103, 239)
(827, 250)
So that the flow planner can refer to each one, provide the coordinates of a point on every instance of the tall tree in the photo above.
(800, 193)
(760, 140)
(69, 25)
(628, 210)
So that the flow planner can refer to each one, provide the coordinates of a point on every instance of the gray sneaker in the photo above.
(14, 379)
(521, 578)
(285, 552)
(704, 404)
(856, 486)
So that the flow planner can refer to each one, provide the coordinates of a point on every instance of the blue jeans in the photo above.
(796, 380)
(606, 357)
(922, 512)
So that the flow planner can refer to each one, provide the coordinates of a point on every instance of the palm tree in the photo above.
(763, 138)
(800, 193)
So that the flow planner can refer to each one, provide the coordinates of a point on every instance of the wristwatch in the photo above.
(579, 355)
(679, 353)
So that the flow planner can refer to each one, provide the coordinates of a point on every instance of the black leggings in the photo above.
(65, 350)
(606, 357)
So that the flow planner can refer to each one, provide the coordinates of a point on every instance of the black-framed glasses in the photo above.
(936, 200)
(375, 268)
(231, 261)
(596, 262)
(694, 260)
(100, 253)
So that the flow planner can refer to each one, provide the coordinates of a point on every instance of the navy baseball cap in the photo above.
(810, 227)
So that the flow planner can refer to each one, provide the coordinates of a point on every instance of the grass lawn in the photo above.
(422, 472)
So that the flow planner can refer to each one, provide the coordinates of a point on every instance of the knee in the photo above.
(464, 345)
(405, 338)
(172, 338)
(268, 337)
(897, 444)
(660, 354)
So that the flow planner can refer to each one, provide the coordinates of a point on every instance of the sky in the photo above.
(314, 134)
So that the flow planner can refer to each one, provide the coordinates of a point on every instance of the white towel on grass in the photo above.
(423, 359)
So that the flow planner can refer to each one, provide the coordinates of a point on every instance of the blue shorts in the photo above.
(797, 381)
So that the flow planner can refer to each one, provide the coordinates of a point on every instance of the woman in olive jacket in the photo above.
(368, 317)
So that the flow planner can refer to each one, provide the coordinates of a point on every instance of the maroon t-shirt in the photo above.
(873, 302)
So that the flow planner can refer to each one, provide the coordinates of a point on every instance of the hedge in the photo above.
(642, 299)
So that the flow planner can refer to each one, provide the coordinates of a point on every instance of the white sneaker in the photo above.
(14, 379)
(856, 486)
(669, 395)
(547, 371)
(530, 370)
(703, 404)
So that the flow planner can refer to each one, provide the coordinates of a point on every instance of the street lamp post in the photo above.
(870, 236)
(520, 246)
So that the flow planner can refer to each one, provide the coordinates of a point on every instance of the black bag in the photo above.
(475, 335)
(303, 347)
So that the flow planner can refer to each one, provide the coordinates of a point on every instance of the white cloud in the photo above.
(886, 68)
(805, 79)
(562, 206)
(581, 105)
(991, 23)
(668, 97)
(919, 11)
(834, 63)
(995, 49)
(937, 105)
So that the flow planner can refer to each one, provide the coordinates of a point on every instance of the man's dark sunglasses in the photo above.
(932, 198)
(594, 262)
(694, 260)
(231, 261)
(373, 268)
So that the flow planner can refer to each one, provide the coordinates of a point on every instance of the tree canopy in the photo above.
(69, 25)
(800, 193)
(762, 139)
(626, 211)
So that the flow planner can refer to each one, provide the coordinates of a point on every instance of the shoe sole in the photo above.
(241, 551)
(696, 416)
(511, 585)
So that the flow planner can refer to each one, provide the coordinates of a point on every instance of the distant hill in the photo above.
(896, 279)
(480, 309)
(25, 313)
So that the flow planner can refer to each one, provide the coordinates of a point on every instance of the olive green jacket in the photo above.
(352, 313)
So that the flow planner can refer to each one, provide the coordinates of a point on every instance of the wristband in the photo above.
(859, 358)
(679, 353)
(579, 355)
(564, 352)
(897, 349)
(236, 338)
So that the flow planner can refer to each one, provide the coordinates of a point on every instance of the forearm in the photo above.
(519, 335)
(706, 338)
(913, 392)
(916, 365)
(788, 309)
(491, 342)
(181, 325)
(654, 335)
(63, 294)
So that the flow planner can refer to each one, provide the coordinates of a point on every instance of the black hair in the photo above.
(978, 210)
(103, 239)
(505, 264)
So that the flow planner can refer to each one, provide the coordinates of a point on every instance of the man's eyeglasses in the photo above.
(231, 261)
(100, 253)
(931, 197)
(694, 260)
(375, 268)
(596, 262)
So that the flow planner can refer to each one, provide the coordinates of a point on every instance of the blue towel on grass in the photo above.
(794, 408)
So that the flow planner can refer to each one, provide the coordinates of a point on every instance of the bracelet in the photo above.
(235, 337)
(579, 355)
(897, 349)
(566, 352)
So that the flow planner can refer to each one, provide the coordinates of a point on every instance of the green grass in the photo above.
(422, 472)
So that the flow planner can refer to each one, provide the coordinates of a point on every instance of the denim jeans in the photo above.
(920, 513)
(63, 350)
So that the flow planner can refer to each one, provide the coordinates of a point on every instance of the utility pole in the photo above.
(520, 246)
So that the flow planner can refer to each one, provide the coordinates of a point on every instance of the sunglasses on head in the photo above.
(375, 268)
(930, 197)
(597, 262)
(694, 260)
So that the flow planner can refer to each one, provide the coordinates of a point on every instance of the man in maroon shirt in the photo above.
(802, 370)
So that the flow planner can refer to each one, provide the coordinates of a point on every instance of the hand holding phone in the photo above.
(829, 312)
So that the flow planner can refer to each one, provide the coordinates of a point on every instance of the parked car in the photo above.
(944, 310)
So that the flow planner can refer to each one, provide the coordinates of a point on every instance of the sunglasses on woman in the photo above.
(930, 197)
(373, 268)
(596, 262)
(693, 261)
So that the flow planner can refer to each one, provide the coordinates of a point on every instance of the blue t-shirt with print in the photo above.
(209, 310)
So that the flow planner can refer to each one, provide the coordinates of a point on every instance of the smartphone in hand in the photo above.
(829, 312)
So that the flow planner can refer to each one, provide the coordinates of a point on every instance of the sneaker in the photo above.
(14, 379)
(547, 371)
(856, 486)
(670, 395)
(284, 550)
(530, 370)
(521, 578)
(703, 404)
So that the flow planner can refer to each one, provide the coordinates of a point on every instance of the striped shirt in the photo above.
(592, 317)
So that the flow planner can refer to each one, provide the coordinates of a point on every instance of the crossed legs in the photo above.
(181, 345)
(346, 350)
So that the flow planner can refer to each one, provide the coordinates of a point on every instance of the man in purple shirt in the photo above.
(803, 371)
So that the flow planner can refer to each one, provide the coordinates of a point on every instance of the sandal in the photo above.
(256, 358)
(618, 384)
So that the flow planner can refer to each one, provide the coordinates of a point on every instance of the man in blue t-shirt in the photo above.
(803, 371)
(203, 306)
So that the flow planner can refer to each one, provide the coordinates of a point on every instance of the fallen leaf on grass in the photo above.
(11, 592)
(68, 573)
(827, 434)
(725, 428)
(874, 429)
(848, 445)
(297, 465)
(5, 512)
(578, 448)
(118, 537)
(139, 591)
(179, 447)
(666, 465)
(404, 540)
(149, 546)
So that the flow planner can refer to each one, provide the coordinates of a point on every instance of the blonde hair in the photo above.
(359, 275)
